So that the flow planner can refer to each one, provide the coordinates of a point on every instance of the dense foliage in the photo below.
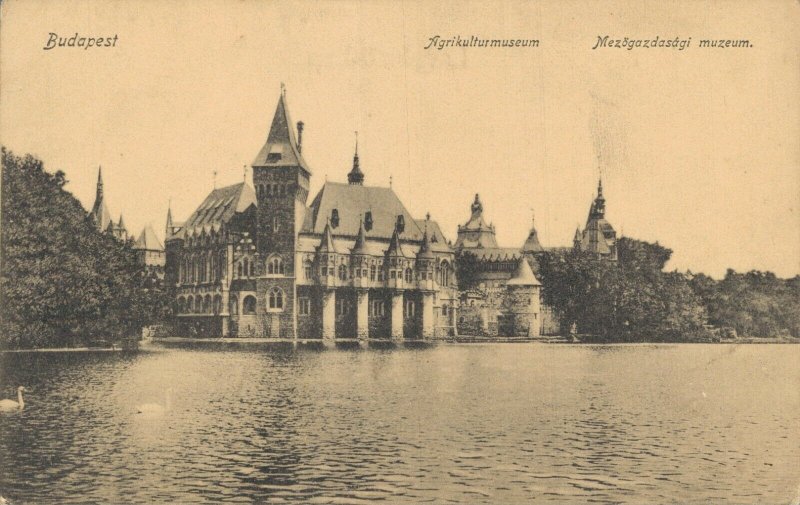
(630, 300)
(754, 303)
(62, 283)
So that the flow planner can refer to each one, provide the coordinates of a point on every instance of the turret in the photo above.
(356, 176)
(395, 261)
(326, 257)
(532, 245)
(359, 260)
(522, 301)
(426, 262)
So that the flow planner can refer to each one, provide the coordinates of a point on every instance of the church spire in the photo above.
(168, 230)
(598, 209)
(99, 194)
(356, 176)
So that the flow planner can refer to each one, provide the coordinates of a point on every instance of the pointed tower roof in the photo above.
(476, 233)
(532, 244)
(148, 240)
(281, 148)
(356, 176)
(598, 208)
(395, 249)
(524, 275)
(425, 251)
(168, 228)
(327, 245)
(121, 224)
(360, 247)
(100, 212)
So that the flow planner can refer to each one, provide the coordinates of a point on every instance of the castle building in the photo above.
(502, 295)
(150, 252)
(598, 236)
(260, 261)
(101, 216)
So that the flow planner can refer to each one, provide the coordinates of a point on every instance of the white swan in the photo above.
(9, 405)
(156, 409)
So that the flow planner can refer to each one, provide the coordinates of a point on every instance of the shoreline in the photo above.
(468, 340)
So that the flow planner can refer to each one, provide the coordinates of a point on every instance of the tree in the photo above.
(61, 281)
(630, 300)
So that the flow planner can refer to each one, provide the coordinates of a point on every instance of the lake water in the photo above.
(500, 423)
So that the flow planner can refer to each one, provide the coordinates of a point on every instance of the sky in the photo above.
(698, 149)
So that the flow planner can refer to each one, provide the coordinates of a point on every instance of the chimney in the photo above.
(300, 125)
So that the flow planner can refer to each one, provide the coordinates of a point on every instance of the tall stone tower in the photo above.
(281, 178)
(522, 302)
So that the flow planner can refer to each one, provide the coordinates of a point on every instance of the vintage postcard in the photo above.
(344, 252)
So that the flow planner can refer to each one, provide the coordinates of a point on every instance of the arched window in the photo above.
(342, 272)
(217, 304)
(189, 304)
(234, 306)
(249, 305)
(251, 267)
(409, 275)
(207, 304)
(308, 270)
(275, 266)
(372, 272)
(275, 299)
(246, 267)
(198, 305)
(239, 271)
(444, 274)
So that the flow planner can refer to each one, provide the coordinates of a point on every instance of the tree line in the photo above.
(63, 282)
(635, 300)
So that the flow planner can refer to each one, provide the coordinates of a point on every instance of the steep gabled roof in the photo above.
(280, 150)
(220, 206)
(437, 238)
(532, 244)
(148, 240)
(524, 275)
(352, 202)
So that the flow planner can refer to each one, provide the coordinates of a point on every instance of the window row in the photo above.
(202, 268)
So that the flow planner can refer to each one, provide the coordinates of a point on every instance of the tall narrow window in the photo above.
(303, 306)
(275, 266)
(275, 299)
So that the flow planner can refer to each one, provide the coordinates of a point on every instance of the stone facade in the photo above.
(351, 264)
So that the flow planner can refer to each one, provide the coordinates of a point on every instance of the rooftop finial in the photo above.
(214, 173)
(356, 176)
(244, 173)
(283, 89)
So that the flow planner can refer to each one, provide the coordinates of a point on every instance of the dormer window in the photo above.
(335, 218)
(368, 220)
(401, 224)
(275, 153)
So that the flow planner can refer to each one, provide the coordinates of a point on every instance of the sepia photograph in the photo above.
(401, 252)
